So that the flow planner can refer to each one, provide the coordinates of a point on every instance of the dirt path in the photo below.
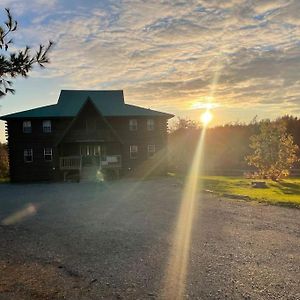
(89, 241)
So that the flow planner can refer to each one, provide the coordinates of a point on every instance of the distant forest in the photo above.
(225, 146)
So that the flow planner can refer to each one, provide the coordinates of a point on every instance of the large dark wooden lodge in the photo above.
(86, 135)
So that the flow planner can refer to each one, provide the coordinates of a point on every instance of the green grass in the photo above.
(4, 180)
(286, 192)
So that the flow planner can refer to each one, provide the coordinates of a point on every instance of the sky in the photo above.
(241, 56)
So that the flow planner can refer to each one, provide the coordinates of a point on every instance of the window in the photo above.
(28, 155)
(47, 126)
(27, 126)
(133, 125)
(48, 154)
(150, 124)
(133, 151)
(86, 150)
(97, 150)
(151, 150)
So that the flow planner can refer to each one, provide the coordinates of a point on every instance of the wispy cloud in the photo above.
(168, 52)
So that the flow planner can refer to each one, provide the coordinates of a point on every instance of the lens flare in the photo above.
(175, 278)
(19, 216)
(176, 273)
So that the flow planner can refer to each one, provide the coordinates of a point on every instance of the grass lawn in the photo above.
(284, 192)
(4, 180)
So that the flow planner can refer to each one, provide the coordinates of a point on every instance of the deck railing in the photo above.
(75, 162)
(70, 163)
(111, 161)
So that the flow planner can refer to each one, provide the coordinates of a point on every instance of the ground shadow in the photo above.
(289, 188)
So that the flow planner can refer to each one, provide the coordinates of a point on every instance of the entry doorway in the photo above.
(92, 154)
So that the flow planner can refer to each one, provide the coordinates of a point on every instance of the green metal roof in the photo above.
(109, 103)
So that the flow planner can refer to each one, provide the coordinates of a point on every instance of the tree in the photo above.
(274, 151)
(185, 124)
(3, 161)
(19, 63)
(183, 139)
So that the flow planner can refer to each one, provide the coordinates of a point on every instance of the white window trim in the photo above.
(133, 125)
(31, 151)
(28, 127)
(150, 124)
(47, 129)
(50, 154)
(131, 152)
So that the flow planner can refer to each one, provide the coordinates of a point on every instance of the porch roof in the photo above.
(109, 103)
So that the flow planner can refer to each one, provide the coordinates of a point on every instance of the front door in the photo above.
(91, 154)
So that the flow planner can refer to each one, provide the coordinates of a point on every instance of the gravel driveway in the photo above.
(112, 241)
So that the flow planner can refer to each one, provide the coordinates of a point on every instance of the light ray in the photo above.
(178, 264)
(175, 279)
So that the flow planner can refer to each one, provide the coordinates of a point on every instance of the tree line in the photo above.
(266, 149)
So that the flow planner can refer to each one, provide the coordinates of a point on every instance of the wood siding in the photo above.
(37, 140)
(88, 126)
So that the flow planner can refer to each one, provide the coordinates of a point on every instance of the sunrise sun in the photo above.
(206, 117)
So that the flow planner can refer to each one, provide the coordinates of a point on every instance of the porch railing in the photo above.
(75, 162)
(111, 161)
(70, 163)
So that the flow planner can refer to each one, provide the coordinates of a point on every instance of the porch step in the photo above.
(90, 174)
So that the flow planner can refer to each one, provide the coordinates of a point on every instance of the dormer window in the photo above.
(150, 124)
(47, 126)
(133, 125)
(27, 127)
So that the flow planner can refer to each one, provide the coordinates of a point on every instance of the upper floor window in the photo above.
(28, 155)
(133, 125)
(151, 150)
(48, 154)
(47, 126)
(133, 149)
(150, 124)
(27, 127)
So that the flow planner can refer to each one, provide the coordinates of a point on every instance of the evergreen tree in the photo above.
(19, 63)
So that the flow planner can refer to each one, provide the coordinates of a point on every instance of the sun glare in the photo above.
(206, 117)
(178, 265)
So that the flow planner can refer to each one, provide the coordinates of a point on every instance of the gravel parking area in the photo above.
(112, 241)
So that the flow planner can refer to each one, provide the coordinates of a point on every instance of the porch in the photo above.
(76, 167)
(89, 161)
(75, 162)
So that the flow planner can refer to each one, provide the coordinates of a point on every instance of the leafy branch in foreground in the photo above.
(19, 63)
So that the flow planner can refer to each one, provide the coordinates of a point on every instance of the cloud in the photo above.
(170, 53)
(19, 7)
